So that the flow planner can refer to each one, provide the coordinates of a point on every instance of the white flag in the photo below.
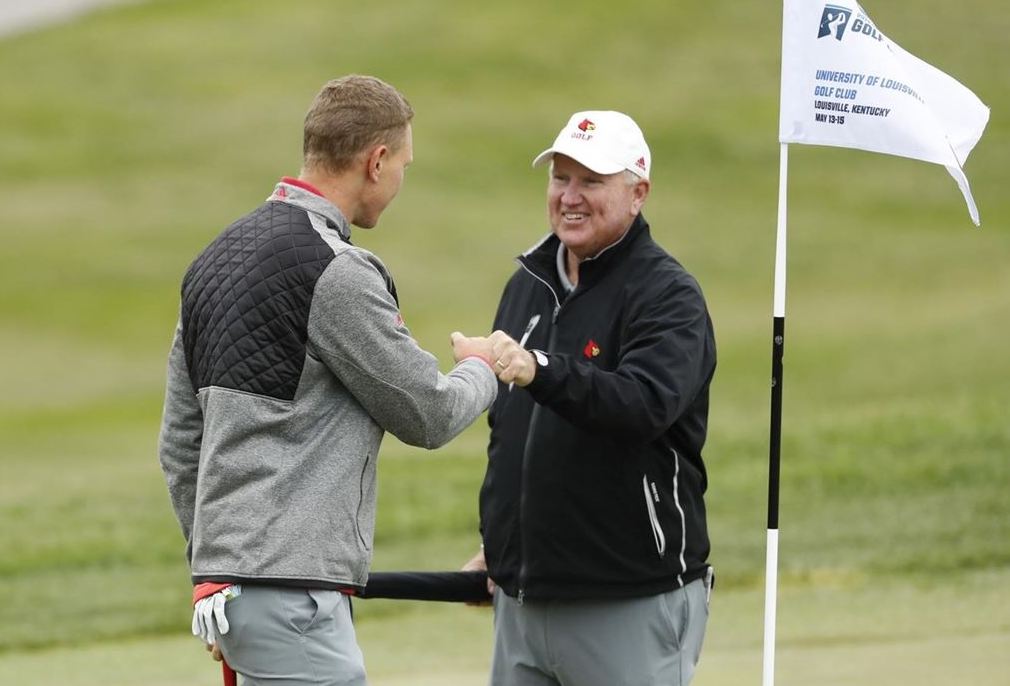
(844, 83)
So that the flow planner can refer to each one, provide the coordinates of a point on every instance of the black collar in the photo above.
(542, 257)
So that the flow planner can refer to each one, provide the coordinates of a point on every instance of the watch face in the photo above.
(540, 357)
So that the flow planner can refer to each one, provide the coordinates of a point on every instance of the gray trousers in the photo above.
(650, 641)
(292, 637)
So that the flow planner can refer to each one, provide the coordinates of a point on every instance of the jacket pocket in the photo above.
(651, 498)
(365, 514)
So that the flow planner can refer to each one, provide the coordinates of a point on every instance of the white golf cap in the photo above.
(606, 142)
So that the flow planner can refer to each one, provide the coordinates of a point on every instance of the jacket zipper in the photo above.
(683, 518)
(557, 302)
(534, 419)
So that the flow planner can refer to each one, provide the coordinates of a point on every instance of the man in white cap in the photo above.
(592, 509)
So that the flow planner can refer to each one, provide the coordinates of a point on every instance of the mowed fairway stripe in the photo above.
(825, 643)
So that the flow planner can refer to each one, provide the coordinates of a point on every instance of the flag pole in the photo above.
(775, 439)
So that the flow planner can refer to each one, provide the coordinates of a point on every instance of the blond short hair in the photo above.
(350, 115)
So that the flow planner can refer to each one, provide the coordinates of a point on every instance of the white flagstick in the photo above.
(775, 440)
(779, 306)
(771, 583)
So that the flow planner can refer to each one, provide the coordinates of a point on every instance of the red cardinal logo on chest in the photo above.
(591, 350)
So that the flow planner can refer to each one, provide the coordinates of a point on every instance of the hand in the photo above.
(209, 617)
(512, 363)
(477, 563)
(215, 652)
(465, 346)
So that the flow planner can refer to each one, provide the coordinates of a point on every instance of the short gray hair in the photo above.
(631, 178)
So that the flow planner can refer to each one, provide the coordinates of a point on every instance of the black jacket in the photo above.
(595, 481)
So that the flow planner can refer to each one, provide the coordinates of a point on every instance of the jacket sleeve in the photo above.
(180, 438)
(356, 329)
(666, 357)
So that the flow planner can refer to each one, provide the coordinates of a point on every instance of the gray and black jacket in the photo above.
(595, 480)
(289, 362)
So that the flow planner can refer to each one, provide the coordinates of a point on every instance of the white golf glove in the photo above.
(209, 612)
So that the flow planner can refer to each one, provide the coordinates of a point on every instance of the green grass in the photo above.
(135, 134)
(840, 631)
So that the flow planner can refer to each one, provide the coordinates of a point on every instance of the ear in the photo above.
(375, 159)
(638, 195)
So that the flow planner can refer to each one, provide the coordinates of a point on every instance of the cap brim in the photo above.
(582, 156)
(543, 157)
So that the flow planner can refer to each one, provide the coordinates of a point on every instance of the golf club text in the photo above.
(832, 92)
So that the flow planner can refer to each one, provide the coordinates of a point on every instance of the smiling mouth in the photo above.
(573, 216)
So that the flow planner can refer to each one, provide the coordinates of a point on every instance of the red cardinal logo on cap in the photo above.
(591, 350)
(586, 125)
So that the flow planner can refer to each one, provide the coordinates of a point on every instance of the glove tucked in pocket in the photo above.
(208, 609)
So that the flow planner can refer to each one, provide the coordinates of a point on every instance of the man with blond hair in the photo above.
(290, 361)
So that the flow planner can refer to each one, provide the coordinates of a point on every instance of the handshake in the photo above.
(509, 360)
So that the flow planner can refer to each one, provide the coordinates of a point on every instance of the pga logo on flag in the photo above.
(834, 19)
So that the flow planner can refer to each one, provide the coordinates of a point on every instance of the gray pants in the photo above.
(292, 637)
(650, 641)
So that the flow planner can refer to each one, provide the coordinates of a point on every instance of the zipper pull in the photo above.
(519, 598)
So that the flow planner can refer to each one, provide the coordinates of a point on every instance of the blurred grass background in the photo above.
(131, 136)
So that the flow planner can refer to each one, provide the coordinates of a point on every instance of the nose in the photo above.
(570, 194)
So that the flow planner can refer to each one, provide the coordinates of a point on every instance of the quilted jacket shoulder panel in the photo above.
(246, 300)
